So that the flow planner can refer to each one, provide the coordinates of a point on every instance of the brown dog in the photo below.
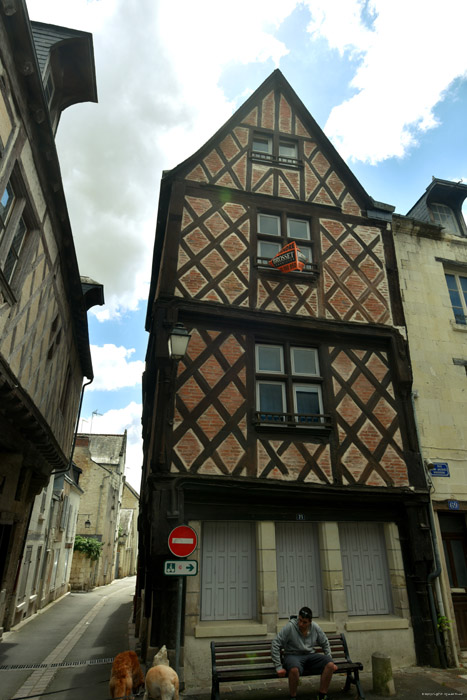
(161, 680)
(126, 676)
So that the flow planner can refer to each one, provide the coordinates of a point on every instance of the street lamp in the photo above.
(178, 341)
(87, 522)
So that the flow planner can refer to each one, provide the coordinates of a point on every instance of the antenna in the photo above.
(94, 413)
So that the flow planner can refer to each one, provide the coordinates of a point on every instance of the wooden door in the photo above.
(454, 535)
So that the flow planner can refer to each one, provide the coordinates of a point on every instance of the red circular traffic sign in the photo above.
(182, 541)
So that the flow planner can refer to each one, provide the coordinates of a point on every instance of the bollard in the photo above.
(383, 682)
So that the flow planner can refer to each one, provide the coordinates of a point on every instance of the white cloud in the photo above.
(113, 368)
(159, 66)
(410, 53)
(159, 100)
(115, 422)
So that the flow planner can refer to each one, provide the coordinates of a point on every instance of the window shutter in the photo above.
(228, 571)
(298, 568)
(366, 575)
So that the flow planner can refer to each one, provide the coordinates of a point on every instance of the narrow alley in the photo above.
(83, 629)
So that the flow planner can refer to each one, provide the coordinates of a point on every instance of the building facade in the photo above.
(127, 553)
(431, 246)
(285, 436)
(44, 343)
(45, 567)
(102, 461)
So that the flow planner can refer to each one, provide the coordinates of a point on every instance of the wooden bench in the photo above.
(251, 661)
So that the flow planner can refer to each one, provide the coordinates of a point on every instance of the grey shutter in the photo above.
(364, 562)
(298, 568)
(228, 571)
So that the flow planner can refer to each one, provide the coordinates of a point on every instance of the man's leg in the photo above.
(326, 676)
(294, 675)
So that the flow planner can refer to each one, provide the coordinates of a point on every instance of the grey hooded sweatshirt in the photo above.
(292, 642)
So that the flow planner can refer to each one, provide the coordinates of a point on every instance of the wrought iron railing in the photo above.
(276, 160)
(305, 420)
(311, 268)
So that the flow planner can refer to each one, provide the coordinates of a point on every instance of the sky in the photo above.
(386, 80)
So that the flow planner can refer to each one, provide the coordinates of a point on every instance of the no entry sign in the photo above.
(182, 541)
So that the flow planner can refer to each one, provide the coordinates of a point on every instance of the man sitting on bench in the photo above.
(298, 639)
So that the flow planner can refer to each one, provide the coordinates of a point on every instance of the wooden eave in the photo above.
(75, 56)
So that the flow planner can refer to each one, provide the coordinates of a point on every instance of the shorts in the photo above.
(307, 664)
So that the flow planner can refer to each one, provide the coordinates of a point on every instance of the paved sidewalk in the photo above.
(414, 682)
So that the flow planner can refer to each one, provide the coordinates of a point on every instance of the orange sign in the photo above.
(289, 259)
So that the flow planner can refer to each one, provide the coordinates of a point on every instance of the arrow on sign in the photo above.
(181, 568)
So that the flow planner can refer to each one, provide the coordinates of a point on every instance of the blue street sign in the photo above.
(440, 469)
(453, 505)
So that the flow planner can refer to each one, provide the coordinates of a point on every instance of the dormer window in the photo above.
(444, 216)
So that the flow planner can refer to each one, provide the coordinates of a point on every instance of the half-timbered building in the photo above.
(285, 435)
(44, 339)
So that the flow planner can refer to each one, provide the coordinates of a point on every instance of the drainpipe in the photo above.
(70, 461)
(434, 575)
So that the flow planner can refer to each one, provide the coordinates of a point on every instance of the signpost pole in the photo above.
(179, 624)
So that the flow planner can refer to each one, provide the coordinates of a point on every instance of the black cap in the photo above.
(305, 612)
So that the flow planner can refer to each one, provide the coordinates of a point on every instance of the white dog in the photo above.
(161, 680)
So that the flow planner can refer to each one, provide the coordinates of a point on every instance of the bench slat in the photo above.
(248, 660)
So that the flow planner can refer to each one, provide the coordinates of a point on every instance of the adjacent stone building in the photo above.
(285, 436)
(102, 461)
(431, 247)
(44, 343)
(45, 567)
(127, 553)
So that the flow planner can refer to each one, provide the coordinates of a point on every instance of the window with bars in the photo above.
(288, 386)
(275, 231)
(457, 287)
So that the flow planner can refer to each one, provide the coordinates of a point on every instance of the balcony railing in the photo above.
(310, 268)
(276, 160)
(294, 420)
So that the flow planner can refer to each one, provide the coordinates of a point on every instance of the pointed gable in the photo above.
(296, 160)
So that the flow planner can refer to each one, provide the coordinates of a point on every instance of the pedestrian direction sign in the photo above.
(187, 567)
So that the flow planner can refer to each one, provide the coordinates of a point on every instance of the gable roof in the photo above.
(210, 163)
(276, 82)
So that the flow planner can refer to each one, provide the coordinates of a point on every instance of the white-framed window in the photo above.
(287, 149)
(288, 385)
(228, 571)
(53, 578)
(275, 231)
(365, 567)
(273, 148)
(444, 216)
(457, 287)
(262, 143)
